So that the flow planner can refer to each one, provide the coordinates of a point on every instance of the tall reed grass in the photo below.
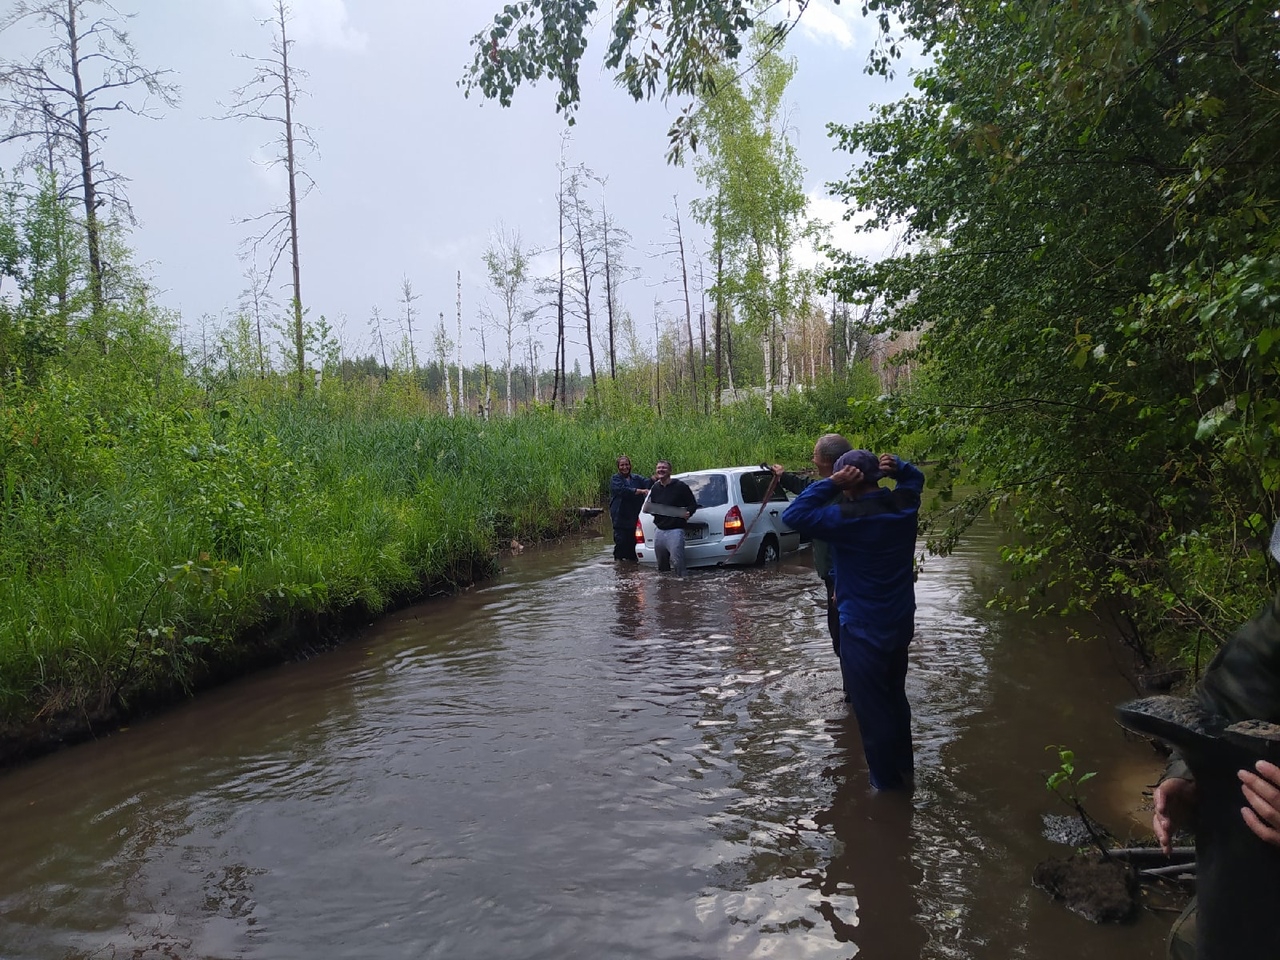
(155, 536)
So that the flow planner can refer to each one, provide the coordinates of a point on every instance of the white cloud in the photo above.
(844, 234)
(824, 23)
(319, 23)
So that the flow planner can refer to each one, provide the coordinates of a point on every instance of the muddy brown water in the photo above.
(580, 760)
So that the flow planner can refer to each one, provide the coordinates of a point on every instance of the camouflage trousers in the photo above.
(1182, 937)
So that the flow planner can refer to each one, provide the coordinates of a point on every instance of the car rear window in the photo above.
(709, 489)
(754, 486)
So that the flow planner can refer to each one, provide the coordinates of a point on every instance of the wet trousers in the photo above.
(668, 547)
(833, 614)
(1182, 938)
(624, 543)
(875, 684)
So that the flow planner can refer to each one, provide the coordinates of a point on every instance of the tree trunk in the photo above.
(688, 308)
(462, 399)
(559, 384)
(299, 334)
(608, 291)
(92, 230)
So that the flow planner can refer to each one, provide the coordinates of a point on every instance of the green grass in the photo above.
(152, 536)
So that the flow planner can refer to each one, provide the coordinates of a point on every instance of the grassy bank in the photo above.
(157, 538)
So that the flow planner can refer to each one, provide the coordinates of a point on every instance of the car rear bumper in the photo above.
(711, 552)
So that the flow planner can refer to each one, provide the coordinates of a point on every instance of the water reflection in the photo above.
(578, 759)
(870, 884)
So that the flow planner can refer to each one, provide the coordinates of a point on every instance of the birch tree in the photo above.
(375, 324)
(506, 262)
(559, 385)
(443, 345)
(755, 205)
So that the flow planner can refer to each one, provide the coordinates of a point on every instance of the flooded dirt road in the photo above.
(581, 760)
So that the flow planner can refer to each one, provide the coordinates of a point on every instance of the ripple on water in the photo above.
(576, 760)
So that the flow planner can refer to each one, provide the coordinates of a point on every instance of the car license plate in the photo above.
(696, 531)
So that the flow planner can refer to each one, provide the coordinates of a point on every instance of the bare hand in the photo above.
(778, 470)
(1262, 791)
(642, 493)
(1175, 802)
(888, 464)
(847, 477)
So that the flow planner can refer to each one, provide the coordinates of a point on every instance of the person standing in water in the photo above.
(872, 534)
(829, 448)
(627, 491)
(677, 504)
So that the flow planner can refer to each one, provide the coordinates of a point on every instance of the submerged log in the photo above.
(1237, 874)
(1100, 890)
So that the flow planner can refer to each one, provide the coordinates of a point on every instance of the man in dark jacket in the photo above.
(872, 533)
(672, 504)
(1241, 683)
(829, 448)
(626, 493)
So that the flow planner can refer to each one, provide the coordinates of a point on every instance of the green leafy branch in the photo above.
(1065, 783)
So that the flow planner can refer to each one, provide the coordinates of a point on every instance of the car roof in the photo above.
(694, 473)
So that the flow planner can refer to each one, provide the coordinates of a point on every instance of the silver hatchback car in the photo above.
(730, 501)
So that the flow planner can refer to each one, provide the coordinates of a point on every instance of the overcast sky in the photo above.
(412, 178)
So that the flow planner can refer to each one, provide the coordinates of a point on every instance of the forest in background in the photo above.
(181, 498)
(1091, 265)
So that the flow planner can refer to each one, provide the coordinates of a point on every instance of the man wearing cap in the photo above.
(872, 534)
(826, 452)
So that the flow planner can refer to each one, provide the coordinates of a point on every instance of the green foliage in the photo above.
(1064, 781)
(157, 526)
(1065, 784)
(755, 203)
(39, 257)
(656, 48)
(1089, 194)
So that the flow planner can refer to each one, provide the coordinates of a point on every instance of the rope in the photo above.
(773, 485)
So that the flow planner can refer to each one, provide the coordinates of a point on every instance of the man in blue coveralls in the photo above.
(872, 533)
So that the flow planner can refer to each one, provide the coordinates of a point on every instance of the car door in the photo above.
(754, 487)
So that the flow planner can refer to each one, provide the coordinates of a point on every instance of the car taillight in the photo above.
(639, 533)
(733, 522)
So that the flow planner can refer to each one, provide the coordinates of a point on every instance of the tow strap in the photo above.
(773, 485)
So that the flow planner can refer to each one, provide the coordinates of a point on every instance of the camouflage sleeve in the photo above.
(793, 483)
(1242, 682)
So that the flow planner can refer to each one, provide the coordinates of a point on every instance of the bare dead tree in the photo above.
(58, 101)
(462, 400)
(407, 297)
(375, 321)
(272, 96)
(256, 300)
(443, 345)
(702, 333)
(613, 243)
(586, 252)
(609, 292)
(684, 284)
(559, 383)
(485, 406)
